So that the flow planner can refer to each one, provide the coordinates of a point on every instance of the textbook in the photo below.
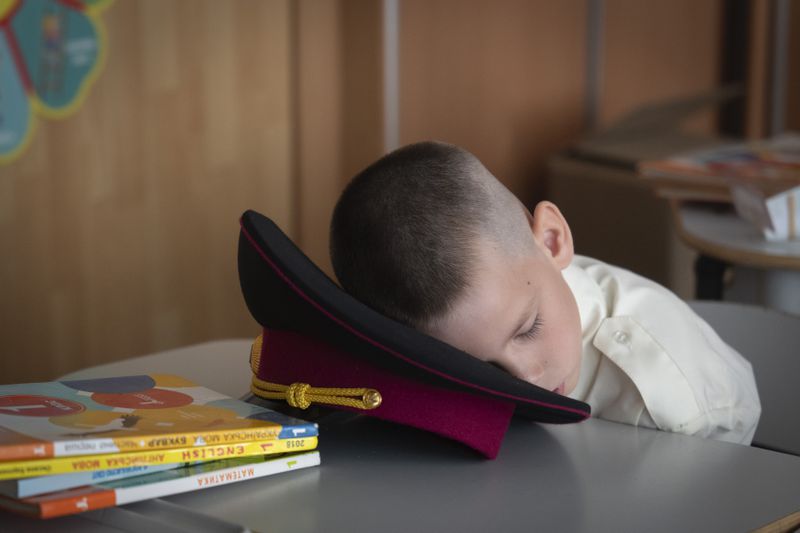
(156, 485)
(130, 413)
(33, 486)
(90, 463)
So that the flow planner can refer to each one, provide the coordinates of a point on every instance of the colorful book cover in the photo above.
(108, 461)
(33, 486)
(124, 414)
(156, 485)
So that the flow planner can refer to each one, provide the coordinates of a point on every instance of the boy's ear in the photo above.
(552, 234)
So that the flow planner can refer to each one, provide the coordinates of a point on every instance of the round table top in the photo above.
(721, 233)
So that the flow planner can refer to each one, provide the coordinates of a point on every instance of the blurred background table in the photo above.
(764, 272)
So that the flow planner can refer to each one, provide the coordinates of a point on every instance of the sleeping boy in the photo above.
(429, 237)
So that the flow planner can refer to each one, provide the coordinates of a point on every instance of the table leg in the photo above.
(709, 273)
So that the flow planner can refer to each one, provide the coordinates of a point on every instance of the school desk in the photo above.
(375, 476)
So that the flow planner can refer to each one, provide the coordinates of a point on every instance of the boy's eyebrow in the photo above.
(522, 319)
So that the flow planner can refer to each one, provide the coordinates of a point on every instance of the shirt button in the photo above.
(621, 337)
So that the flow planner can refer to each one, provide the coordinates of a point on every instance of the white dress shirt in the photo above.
(649, 360)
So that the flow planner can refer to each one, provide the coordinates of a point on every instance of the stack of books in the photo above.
(73, 446)
(770, 165)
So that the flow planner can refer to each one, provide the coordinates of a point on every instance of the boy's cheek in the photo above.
(573, 382)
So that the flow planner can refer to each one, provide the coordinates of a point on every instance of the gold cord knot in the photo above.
(296, 395)
(302, 395)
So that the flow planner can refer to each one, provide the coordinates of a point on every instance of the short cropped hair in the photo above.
(403, 234)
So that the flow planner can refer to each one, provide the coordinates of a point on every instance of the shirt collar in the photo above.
(592, 308)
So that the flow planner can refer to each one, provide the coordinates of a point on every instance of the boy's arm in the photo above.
(693, 386)
(690, 381)
(730, 424)
(736, 419)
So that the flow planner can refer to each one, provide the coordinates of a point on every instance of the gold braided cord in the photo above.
(302, 395)
(255, 354)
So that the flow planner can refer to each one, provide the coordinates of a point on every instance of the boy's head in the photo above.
(427, 236)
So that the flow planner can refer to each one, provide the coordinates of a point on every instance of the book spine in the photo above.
(298, 431)
(64, 465)
(178, 440)
(76, 504)
(24, 488)
(71, 448)
(92, 498)
(215, 478)
(10, 452)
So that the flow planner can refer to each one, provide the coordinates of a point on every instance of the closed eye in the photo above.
(534, 331)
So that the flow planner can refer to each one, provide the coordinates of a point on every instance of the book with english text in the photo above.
(127, 414)
(108, 461)
(158, 484)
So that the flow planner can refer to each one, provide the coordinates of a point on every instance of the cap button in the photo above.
(372, 399)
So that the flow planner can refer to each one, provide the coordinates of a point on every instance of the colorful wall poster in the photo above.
(51, 51)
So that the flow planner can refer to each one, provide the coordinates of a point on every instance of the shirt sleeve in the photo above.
(690, 381)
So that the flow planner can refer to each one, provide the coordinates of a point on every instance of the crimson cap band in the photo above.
(292, 299)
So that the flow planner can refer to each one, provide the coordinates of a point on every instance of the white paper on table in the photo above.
(778, 216)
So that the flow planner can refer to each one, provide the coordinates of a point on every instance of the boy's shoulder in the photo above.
(619, 287)
(629, 306)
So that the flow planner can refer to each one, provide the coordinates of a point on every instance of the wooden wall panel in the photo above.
(793, 69)
(362, 92)
(319, 122)
(760, 64)
(659, 50)
(506, 79)
(503, 79)
(758, 70)
(339, 108)
(119, 226)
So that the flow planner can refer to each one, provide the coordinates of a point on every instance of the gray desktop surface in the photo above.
(593, 476)
(770, 340)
